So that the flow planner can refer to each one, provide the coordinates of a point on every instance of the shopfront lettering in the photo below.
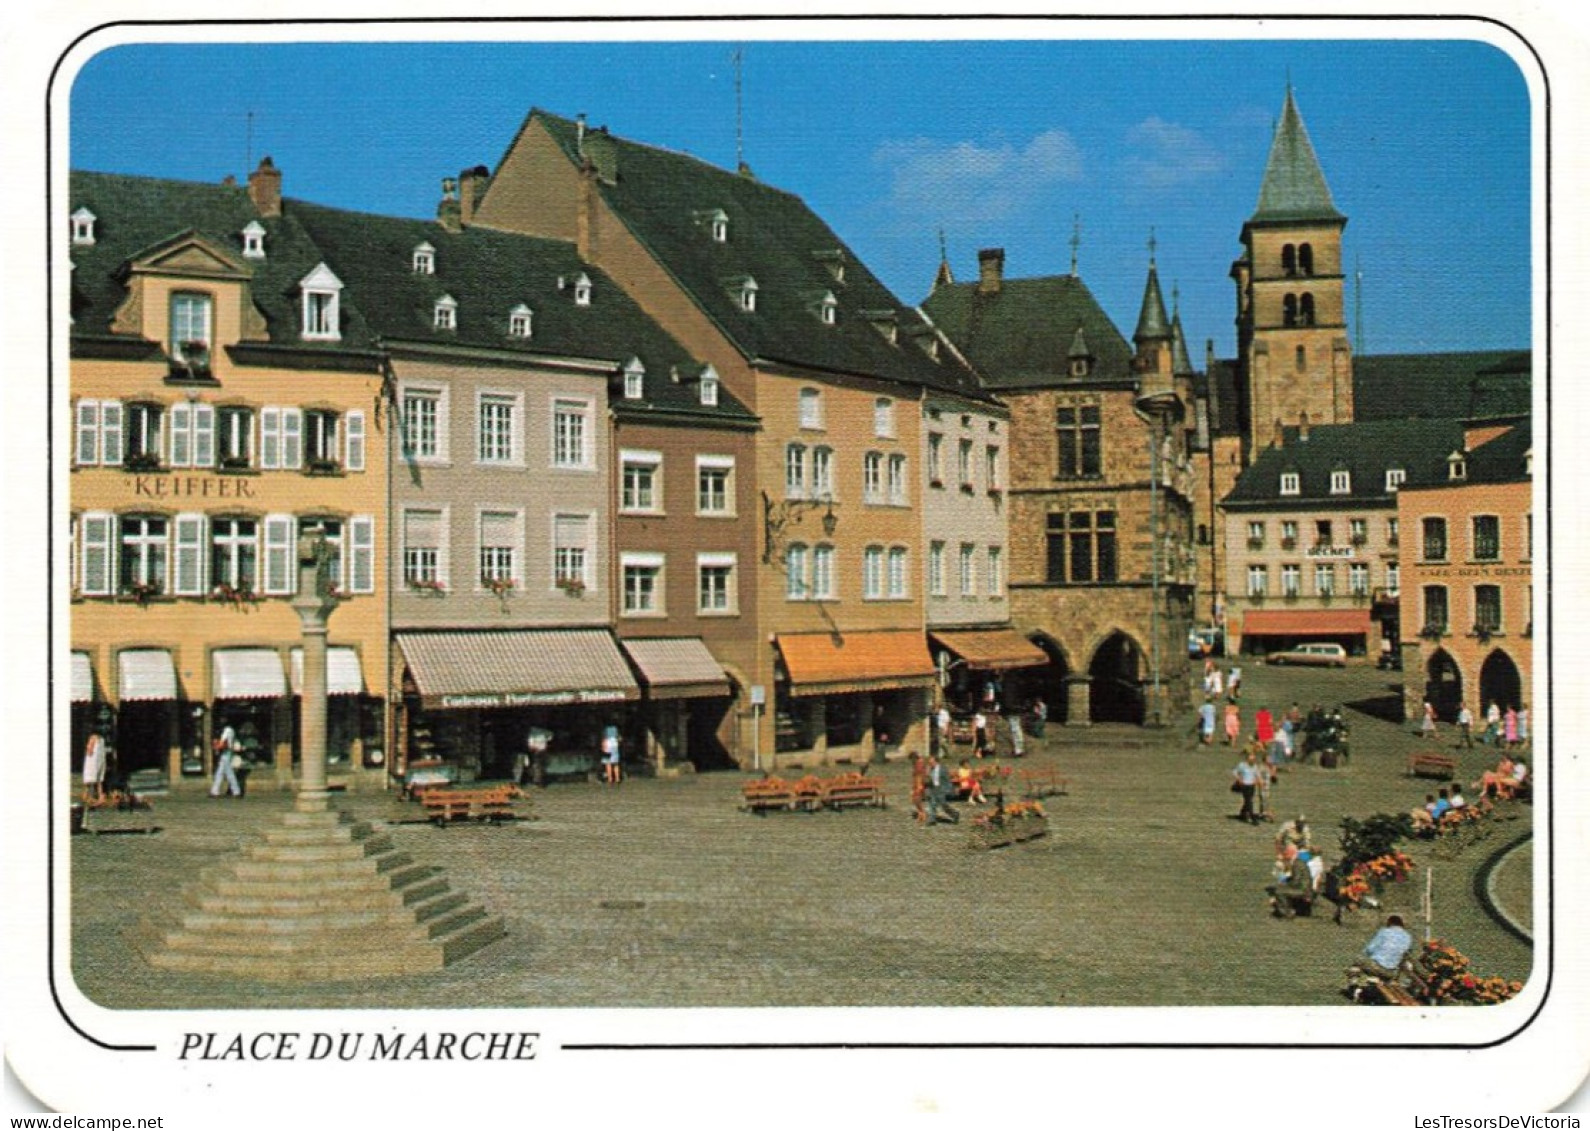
(192, 487)
(528, 699)
(1330, 551)
(1481, 571)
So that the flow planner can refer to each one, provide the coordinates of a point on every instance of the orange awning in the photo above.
(992, 649)
(821, 663)
(1306, 622)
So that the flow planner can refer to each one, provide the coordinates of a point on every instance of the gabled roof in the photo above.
(1020, 336)
(1366, 450)
(488, 274)
(1494, 383)
(1294, 185)
(772, 236)
(137, 216)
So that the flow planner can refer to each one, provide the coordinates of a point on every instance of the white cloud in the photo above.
(1161, 154)
(964, 183)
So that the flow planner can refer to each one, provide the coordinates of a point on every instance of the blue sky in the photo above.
(1425, 144)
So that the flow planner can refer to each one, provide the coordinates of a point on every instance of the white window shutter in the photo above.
(353, 438)
(361, 566)
(203, 435)
(110, 452)
(87, 433)
(292, 438)
(270, 438)
(181, 435)
(98, 540)
(281, 537)
(190, 555)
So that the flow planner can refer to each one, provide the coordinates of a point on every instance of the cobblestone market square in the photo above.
(665, 893)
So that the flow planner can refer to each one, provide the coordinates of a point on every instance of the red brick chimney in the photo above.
(1280, 434)
(472, 185)
(265, 188)
(1302, 427)
(990, 270)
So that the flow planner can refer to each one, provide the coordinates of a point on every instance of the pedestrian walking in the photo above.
(1234, 682)
(938, 793)
(612, 757)
(1427, 724)
(1465, 725)
(226, 751)
(1510, 728)
(980, 743)
(1206, 722)
(1018, 740)
(94, 760)
(1040, 716)
(1245, 780)
(1233, 723)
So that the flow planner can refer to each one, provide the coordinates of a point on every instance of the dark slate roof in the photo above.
(488, 273)
(1367, 450)
(1494, 383)
(1222, 380)
(774, 238)
(1502, 460)
(1020, 336)
(136, 214)
(1294, 184)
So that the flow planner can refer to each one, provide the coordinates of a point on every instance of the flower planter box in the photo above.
(1010, 830)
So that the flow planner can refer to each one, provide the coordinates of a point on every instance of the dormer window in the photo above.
(709, 387)
(445, 313)
(1395, 478)
(720, 228)
(1291, 483)
(834, 261)
(748, 290)
(322, 293)
(634, 380)
(520, 321)
(1341, 482)
(254, 240)
(828, 309)
(424, 261)
(1529, 463)
(1457, 468)
(582, 290)
(83, 227)
(190, 329)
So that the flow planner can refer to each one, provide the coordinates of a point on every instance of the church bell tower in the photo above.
(1293, 350)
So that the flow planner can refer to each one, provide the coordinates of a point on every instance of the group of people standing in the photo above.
(1508, 729)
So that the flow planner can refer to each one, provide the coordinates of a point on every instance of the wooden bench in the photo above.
(1393, 994)
(852, 789)
(444, 804)
(1043, 781)
(1431, 764)
(766, 794)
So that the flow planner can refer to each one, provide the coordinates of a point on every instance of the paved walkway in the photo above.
(663, 892)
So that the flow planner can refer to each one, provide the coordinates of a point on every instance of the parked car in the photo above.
(1327, 655)
(1206, 641)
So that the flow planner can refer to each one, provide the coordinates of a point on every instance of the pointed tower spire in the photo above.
(1151, 322)
(1180, 363)
(1294, 185)
(944, 276)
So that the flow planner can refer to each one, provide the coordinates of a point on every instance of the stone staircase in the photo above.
(321, 897)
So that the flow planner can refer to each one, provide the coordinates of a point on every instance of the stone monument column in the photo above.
(314, 604)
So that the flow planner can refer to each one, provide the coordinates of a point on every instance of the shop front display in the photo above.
(851, 696)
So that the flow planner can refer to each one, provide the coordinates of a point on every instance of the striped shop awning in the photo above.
(677, 668)
(344, 676)
(247, 673)
(508, 668)
(145, 674)
(1306, 622)
(822, 663)
(82, 678)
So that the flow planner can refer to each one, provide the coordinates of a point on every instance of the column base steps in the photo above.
(320, 897)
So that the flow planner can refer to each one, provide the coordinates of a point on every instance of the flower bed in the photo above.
(1370, 877)
(1449, 979)
(1009, 824)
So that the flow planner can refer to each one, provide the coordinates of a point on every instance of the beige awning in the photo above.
(344, 676)
(679, 668)
(82, 678)
(994, 649)
(145, 673)
(247, 673)
(517, 669)
(822, 663)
